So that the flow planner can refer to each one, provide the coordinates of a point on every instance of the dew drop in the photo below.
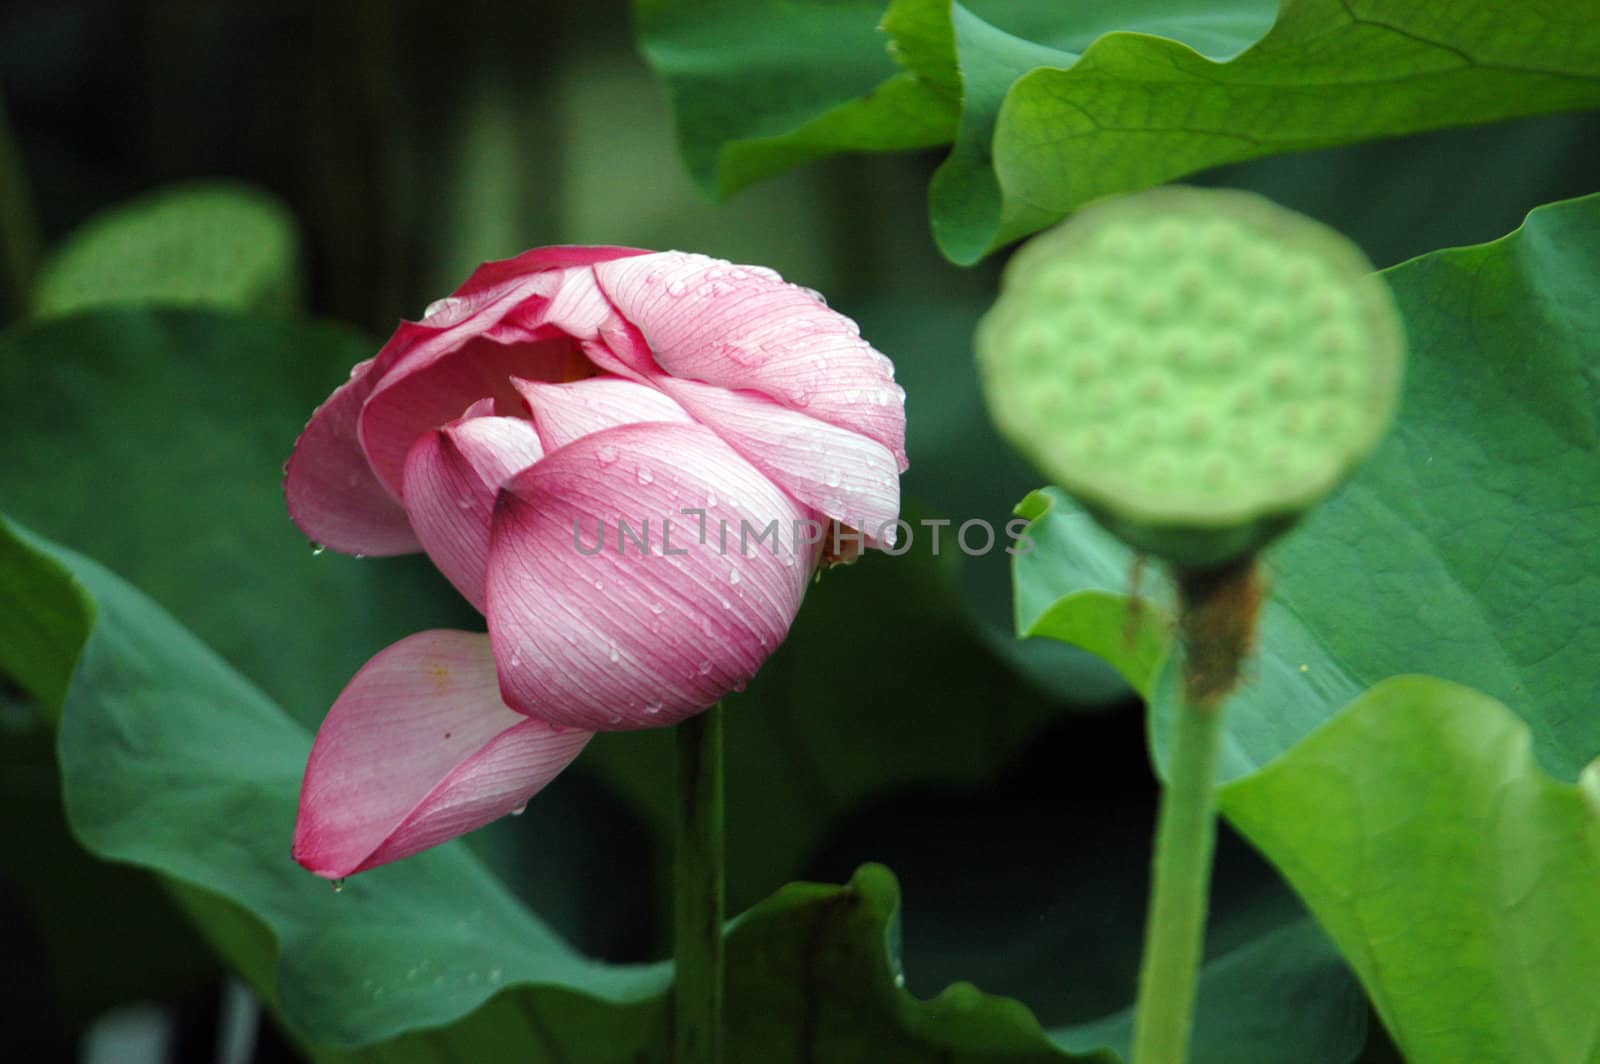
(615, 655)
(900, 980)
(711, 498)
(741, 685)
(652, 708)
(465, 502)
(676, 288)
(605, 454)
(338, 886)
(644, 475)
(656, 608)
(835, 477)
(514, 662)
(705, 667)
(519, 810)
(317, 548)
(599, 585)
(444, 311)
(734, 576)
(616, 718)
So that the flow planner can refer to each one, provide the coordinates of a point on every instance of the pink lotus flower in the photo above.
(553, 399)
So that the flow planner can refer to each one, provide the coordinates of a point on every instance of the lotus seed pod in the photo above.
(1256, 354)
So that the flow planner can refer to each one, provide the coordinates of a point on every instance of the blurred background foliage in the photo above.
(369, 155)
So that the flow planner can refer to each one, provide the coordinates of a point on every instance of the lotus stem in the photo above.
(699, 902)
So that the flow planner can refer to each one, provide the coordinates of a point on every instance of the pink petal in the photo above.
(564, 412)
(417, 750)
(539, 316)
(412, 401)
(331, 491)
(744, 327)
(638, 637)
(848, 477)
(451, 478)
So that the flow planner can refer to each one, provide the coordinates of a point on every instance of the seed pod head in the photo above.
(1198, 367)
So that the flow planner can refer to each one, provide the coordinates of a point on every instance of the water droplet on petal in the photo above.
(676, 287)
(616, 655)
(835, 477)
(599, 585)
(338, 885)
(705, 667)
(444, 311)
(317, 548)
(519, 810)
(616, 718)
(734, 576)
(645, 476)
(711, 498)
(605, 454)
(656, 608)
(741, 685)
(514, 662)
(653, 707)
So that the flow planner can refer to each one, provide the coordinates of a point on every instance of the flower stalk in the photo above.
(1218, 612)
(699, 902)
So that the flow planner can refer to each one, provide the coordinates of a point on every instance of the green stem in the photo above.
(1186, 835)
(699, 903)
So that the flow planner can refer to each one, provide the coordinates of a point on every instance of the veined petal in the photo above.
(451, 478)
(564, 412)
(417, 750)
(331, 490)
(406, 407)
(745, 327)
(842, 474)
(660, 621)
(539, 316)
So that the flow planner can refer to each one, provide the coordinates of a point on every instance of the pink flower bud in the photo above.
(622, 459)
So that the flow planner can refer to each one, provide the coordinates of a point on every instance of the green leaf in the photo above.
(762, 86)
(1461, 881)
(173, 762)
(1281, 994)
(984, 48)
(1465, 546)
(211, 243)
(155, 441)
(1102, 613)
(1136, 110)
(1051, 105)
